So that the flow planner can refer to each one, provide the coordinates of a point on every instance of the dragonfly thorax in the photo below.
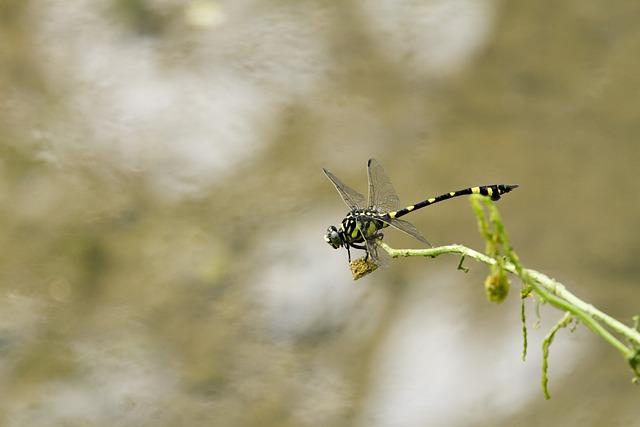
(355, 223)
(359, 222)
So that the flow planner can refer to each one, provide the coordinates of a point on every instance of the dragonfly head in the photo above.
(334, 237)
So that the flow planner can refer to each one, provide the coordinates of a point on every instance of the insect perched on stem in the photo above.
(361, 227)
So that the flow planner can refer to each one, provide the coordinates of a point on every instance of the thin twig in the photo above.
(547, 288)
(546, 343)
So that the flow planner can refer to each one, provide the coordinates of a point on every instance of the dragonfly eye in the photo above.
(332, 237)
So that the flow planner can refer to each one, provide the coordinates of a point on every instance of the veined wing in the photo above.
(406, 227)
(351, 197)
(379, 256)
(382, 195)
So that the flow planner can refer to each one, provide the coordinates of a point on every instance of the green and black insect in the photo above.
(361, 227)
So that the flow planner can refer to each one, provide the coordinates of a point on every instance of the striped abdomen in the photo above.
(493, 191)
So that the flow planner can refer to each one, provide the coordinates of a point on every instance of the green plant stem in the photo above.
(546, 343)
(546, 288)
(523, 321)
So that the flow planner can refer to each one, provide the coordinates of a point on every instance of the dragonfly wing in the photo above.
(379, 256)
(406, 227)
(382, 195)
(351, 197)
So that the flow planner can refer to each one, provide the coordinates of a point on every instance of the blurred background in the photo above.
(162, 209)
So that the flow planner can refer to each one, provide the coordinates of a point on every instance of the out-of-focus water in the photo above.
(162, 208)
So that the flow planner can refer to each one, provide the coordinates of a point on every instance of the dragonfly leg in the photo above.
(364, 248)
(354, 245)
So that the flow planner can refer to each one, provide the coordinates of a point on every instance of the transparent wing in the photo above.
(406, 227)
(379, 256)
(351, 197)
(382, 195)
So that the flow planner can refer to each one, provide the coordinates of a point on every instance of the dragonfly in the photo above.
(362, 227)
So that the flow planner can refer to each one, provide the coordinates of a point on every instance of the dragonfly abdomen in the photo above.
(493, 191)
